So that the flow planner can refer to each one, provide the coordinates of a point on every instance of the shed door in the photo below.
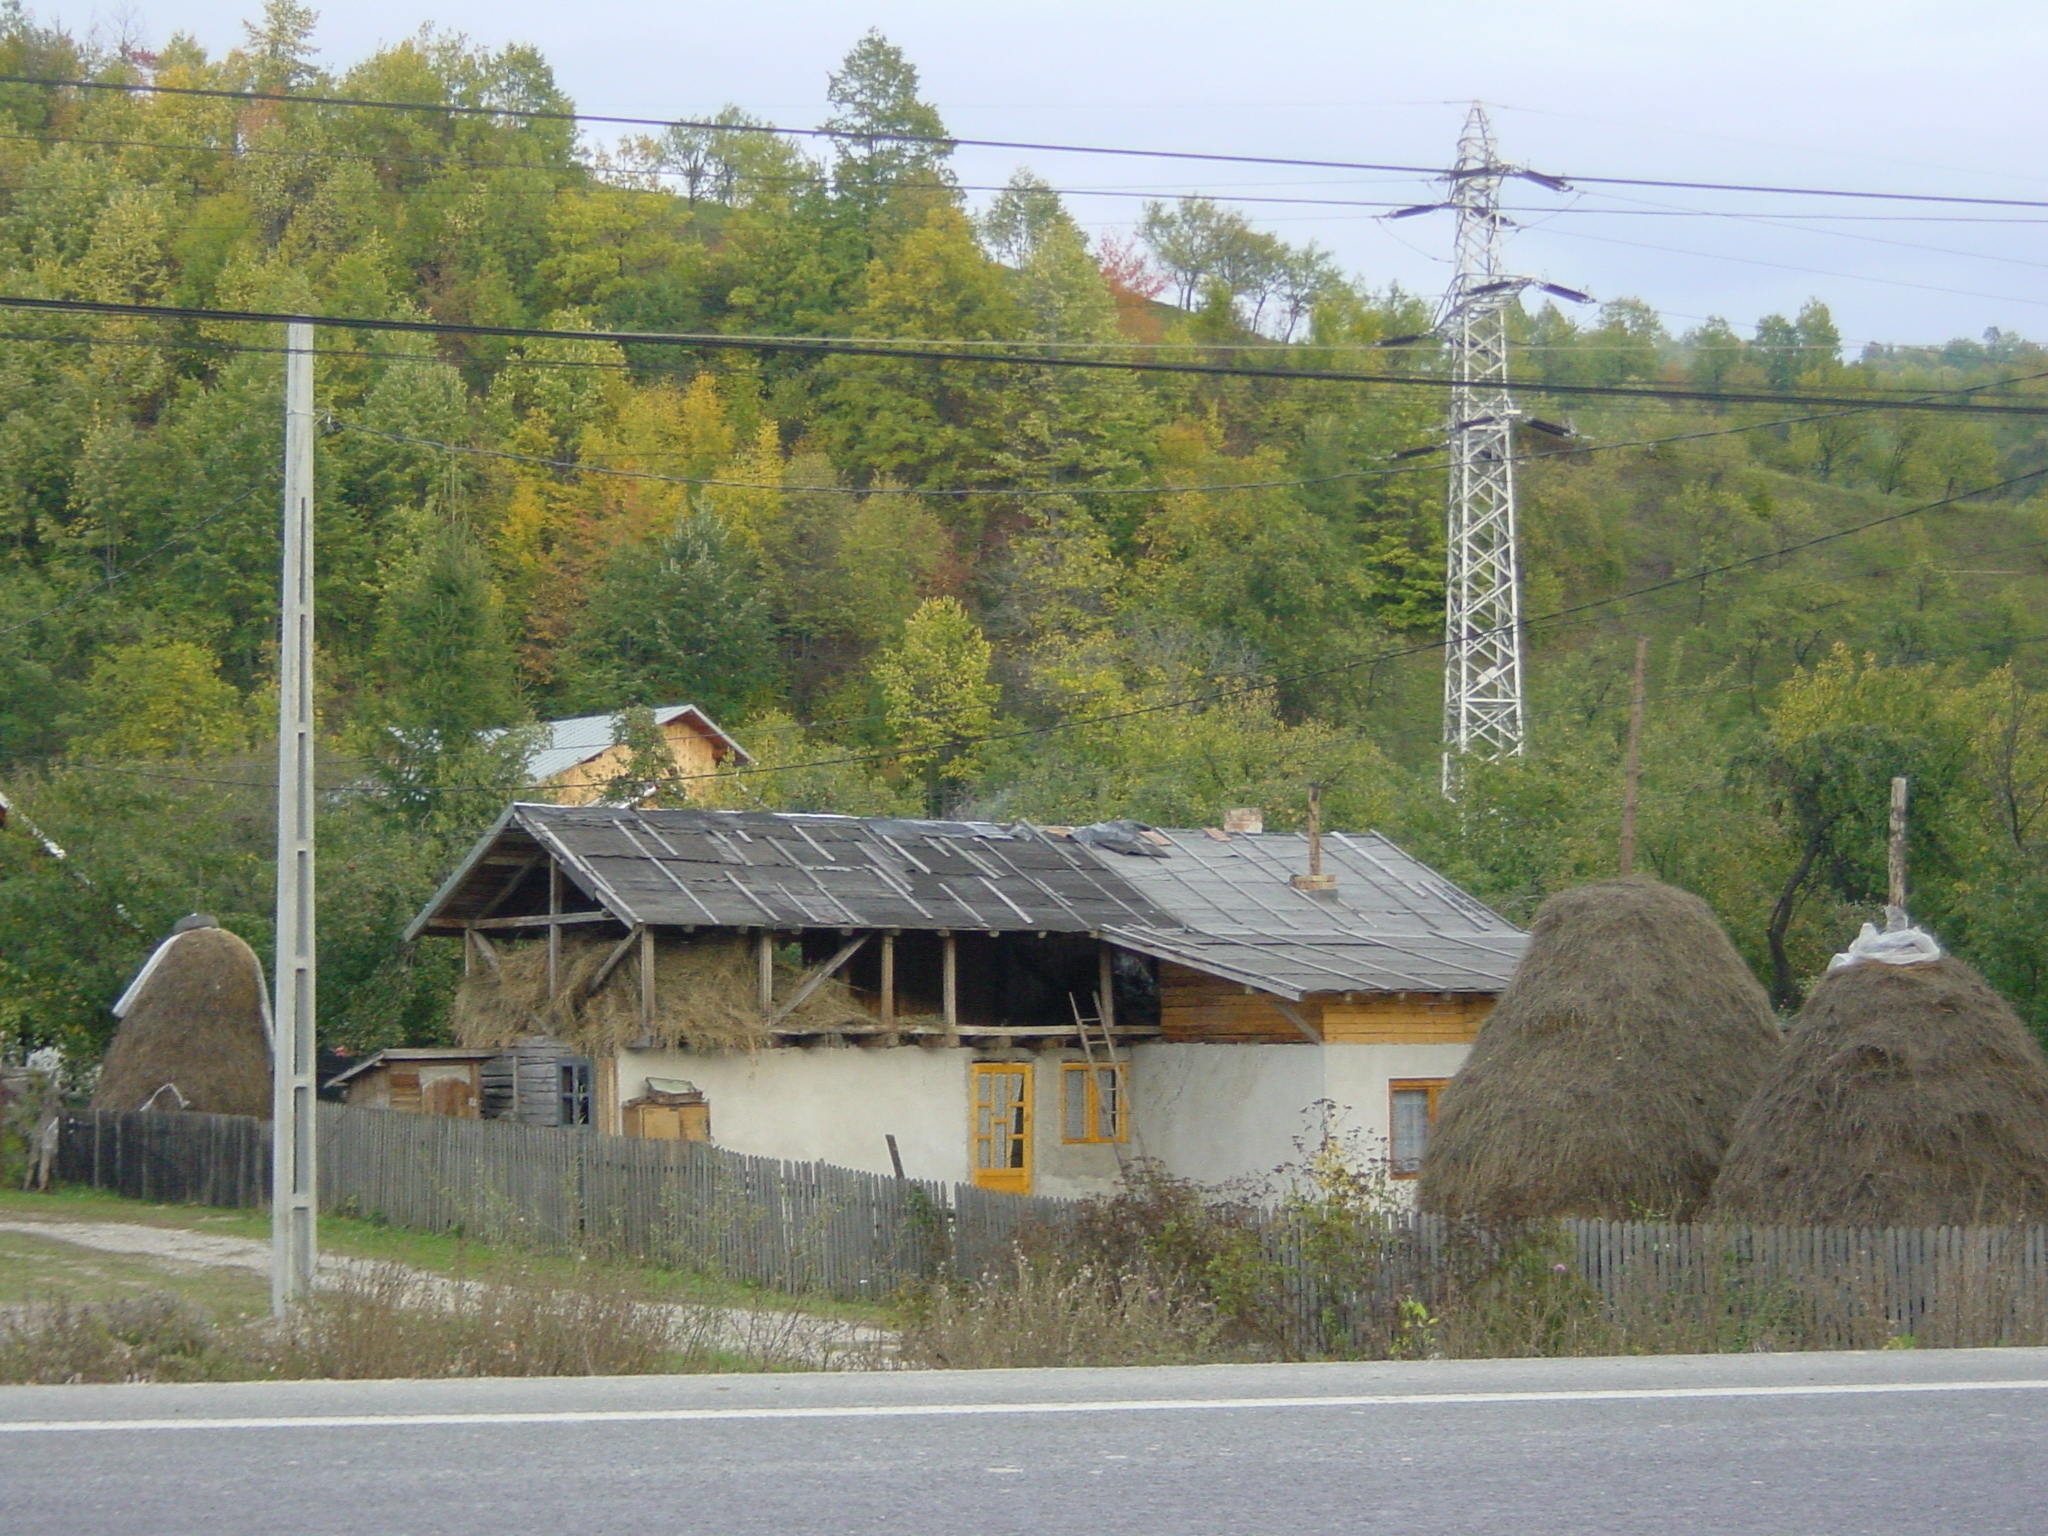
(1002, 1126)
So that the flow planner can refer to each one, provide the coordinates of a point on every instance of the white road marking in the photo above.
(976, 1410)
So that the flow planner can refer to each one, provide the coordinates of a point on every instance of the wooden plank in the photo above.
(888, 980)
(542, 920)
(603, 973)
(950, 981)
(816, 978)
(646, 980)
(764, 968)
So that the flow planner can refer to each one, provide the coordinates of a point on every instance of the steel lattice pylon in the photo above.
(1483, 590)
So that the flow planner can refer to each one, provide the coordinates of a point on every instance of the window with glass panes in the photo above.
(1092, 1102)
(1412, 1110)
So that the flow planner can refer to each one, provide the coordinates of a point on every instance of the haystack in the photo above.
(705, 991)
(1606, 1080)
(1909, 1095)
(192, 1032)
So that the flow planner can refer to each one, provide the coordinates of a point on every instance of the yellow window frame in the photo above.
(1000, 1126)
(1433, 1088)
(1092, 1079)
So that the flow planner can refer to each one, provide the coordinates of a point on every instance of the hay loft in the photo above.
(1606, 1081)
(192, 1033)
(1909, 1095)
(705, 991)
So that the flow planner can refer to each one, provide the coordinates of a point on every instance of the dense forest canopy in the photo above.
(909, 584)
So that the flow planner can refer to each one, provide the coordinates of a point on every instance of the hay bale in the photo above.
(706, 998)
(1606, 1080)
(192, 1033)
(1909, 1095)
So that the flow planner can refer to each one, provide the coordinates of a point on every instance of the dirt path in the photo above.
(783, 1335)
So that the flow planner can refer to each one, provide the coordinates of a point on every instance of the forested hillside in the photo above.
(912, 584)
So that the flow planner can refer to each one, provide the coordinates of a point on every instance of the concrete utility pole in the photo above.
(1483, 597)
(293, 1240)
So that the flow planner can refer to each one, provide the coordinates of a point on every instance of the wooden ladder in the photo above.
(1095, 1034)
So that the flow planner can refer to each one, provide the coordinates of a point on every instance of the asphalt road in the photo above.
(1949, 1443)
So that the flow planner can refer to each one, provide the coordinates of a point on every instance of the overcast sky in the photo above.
(1890, 95)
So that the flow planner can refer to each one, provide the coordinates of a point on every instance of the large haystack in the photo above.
(1909, 1095)
(1606, 1080)
(706, 998)
(192, 1033)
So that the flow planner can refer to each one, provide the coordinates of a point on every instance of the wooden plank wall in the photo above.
(1195, 1006)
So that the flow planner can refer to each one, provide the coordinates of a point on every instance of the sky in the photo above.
(1878, 95)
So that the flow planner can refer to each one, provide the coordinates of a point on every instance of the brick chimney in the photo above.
(1248, 819)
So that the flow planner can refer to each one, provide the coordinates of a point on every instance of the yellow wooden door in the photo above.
(1002, 1126)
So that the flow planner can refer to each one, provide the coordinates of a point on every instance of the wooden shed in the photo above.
(418, 1081)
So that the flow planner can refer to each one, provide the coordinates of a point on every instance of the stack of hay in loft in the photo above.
(195, 1029)
(704, 997)
(1910, 1095)
(1607, 1080)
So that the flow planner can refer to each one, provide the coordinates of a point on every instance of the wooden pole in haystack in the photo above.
(1632, 763)
(293, 1177)
(1895, 863)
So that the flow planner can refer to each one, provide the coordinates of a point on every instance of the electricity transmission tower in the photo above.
(1483, 590)
(1483, 709)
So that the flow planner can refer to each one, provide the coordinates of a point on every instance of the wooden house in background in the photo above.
(1036, 1005)
(577, 759)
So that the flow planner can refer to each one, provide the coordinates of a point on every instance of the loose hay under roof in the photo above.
(706, 998)
(1909, 1095)
(196, 1027)
(1606, 1080)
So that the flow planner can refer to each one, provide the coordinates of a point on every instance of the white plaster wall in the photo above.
(1358, 1079)
(1214, 1113)
(837, 1105)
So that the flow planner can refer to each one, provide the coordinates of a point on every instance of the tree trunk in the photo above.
(1784, 986)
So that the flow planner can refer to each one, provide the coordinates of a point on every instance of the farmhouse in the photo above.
(577, 759)
(1028, 1007)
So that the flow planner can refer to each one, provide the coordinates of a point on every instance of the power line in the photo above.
(948, 142)
(883, 349)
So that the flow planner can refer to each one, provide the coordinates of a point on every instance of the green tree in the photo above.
(938, 696)
(160, 699)
(679, 619)
(444, 738)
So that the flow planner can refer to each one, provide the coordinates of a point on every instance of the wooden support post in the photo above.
(1895, 863)
(764, 969)
(646, 980)
(949, 986)
(468, 951)
(484, 948)
(1105, 984)
(888, 980)
(554, 930)
(1631, 771)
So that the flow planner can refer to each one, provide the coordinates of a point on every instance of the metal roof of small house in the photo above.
(1220, 902)
(582, 737)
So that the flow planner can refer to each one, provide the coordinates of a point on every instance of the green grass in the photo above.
(434, 1252)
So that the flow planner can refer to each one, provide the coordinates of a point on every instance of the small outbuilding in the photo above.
(1607, 1080)
(195, 1029)
(1909, 1095)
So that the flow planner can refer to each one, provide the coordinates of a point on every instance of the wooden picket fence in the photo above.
(816, 1228)
(806, 1227)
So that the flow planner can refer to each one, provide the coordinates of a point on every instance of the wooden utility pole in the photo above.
(294, 1179)
(1632, 763)
(1895, 884)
